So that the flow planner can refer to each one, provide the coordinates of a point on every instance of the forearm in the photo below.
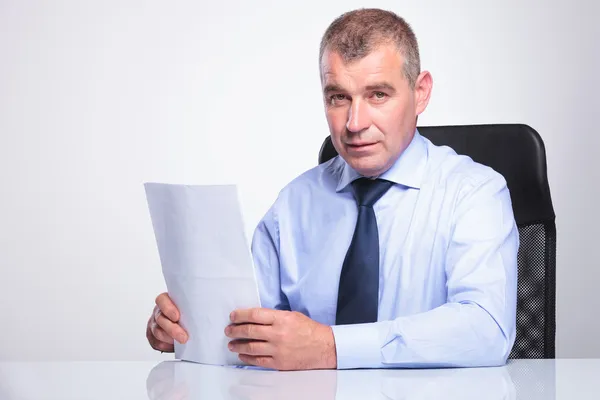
(453, 335)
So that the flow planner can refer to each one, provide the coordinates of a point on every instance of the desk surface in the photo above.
(520, 379)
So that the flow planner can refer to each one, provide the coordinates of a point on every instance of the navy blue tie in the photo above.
(358, 295)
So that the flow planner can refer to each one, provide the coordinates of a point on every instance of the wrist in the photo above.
(330, 353)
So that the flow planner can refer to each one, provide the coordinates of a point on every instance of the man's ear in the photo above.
(423, 87)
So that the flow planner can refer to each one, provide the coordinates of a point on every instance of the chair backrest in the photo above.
(517, 152)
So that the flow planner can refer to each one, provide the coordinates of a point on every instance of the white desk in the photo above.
(520, 379)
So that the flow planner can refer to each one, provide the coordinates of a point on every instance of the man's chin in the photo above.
(366, 165)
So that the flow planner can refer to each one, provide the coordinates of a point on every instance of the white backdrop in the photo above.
(97, 97)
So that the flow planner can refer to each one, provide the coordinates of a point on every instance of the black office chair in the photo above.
(517, 152)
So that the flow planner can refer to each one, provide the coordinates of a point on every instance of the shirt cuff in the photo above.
(359, 345)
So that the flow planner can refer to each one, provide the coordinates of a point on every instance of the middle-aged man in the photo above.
(396, 253)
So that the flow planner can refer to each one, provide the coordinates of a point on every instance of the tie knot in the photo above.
(368, 191)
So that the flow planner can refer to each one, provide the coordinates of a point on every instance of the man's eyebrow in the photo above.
(332, 87)
(381, 86)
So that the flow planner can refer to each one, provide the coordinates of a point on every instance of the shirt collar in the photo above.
(408, 169)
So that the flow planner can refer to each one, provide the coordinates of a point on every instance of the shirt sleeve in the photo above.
(477, 324)
(265, 253)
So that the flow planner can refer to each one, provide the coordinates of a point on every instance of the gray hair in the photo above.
(353, 35)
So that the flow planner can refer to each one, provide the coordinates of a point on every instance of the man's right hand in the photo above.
(163, 326)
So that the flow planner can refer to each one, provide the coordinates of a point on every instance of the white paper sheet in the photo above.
(206, 263)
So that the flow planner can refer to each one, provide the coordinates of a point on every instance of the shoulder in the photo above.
(475, 197)
(319, 180)
(312, 190)
(468, 188)
(459, 173)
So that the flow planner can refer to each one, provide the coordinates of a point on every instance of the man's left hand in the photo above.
(282, 340)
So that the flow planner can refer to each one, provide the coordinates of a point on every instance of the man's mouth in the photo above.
(360, 146)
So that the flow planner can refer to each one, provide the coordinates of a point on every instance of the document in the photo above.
(206, 262)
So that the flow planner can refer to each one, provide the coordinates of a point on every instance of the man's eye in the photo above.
(336, 98)
(379, 95)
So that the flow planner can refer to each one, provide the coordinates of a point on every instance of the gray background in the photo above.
(98, 97)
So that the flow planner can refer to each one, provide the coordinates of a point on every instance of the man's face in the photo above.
(370, 107)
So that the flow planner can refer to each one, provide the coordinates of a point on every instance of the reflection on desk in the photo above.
(520, 379)
(180, 380)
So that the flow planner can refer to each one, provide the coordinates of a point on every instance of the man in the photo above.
(396, 253)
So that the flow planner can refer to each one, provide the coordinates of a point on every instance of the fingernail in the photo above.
(232, 315)
(227, 330)
(181, 338)
(230, 346)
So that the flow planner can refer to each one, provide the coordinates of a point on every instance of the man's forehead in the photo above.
(381, 61)
(355, 68)
(361, 78)
(381, 53)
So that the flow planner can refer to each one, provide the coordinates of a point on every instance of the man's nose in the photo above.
(358, 117)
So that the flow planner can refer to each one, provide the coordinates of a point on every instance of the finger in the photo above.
(160, 334)
(162, 346)
(174, 330)
(249, 331)
(263, 316)
(252, 347)
(259, 361)
(167, 307)
(157, 344)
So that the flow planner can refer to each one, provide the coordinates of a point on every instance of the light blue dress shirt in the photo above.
(448, 260)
